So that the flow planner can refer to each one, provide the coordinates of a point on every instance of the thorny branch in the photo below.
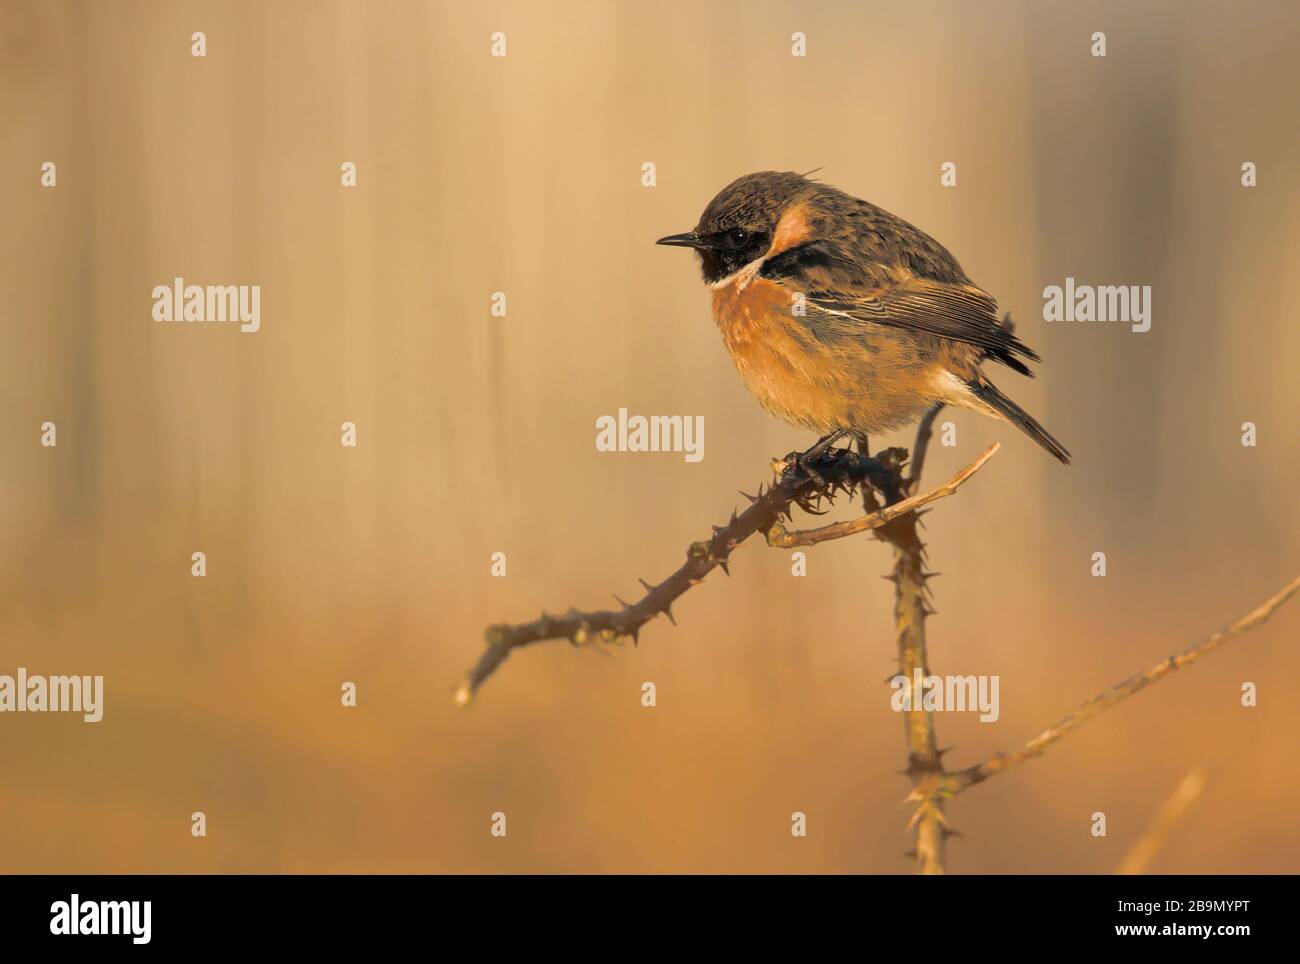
(804, 479)
(779, 537)
(912, 604)
(931, 783)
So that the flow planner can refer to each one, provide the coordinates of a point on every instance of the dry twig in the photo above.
(963, 779)
(1179, 802)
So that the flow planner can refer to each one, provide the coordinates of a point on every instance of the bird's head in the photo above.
(739, 224)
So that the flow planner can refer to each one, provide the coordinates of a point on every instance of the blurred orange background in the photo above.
(476, 434)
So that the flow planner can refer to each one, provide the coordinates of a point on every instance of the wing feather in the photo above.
(832, 284)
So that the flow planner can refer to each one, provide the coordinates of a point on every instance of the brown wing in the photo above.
(841, 290)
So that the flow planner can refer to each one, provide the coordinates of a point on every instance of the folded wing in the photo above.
(839, 289)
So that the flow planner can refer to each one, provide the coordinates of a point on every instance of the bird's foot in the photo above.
(823, 445)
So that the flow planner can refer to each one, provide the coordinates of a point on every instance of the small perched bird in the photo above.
(841, 316)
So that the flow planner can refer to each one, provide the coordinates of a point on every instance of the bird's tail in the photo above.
(989, 394)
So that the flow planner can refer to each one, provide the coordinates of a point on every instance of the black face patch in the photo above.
(727, 251)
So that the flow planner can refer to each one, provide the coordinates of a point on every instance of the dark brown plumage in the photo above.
(840, 315)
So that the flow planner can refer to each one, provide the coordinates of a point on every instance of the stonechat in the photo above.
(842, 317)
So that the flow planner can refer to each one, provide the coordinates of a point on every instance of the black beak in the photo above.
(688, 240)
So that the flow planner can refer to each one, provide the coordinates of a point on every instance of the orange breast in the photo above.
(781, 363)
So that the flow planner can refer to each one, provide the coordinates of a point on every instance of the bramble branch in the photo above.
(912, 604)
(780, 538)
(804, 479)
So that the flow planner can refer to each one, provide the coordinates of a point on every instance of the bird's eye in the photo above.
(736, 237)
